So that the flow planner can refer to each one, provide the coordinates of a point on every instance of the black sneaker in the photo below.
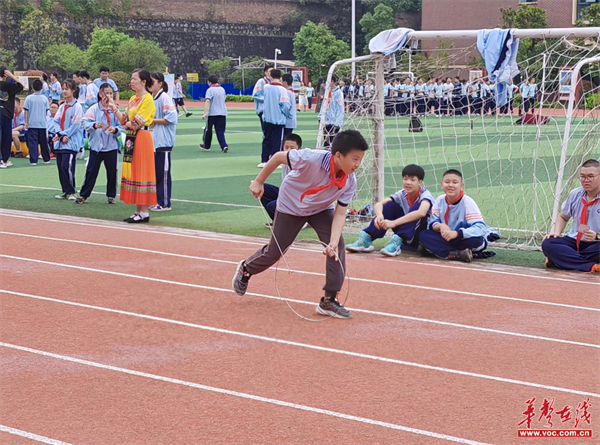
(203, 147)
(424, 252)
(332, 308)
(188, 114)
(137, 219)
(240, 279)
(80, 200)
(111, 200)
(465, 255)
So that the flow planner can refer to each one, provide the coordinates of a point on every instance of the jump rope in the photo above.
(289, 271)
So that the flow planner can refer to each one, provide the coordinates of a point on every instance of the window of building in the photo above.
(580, 5)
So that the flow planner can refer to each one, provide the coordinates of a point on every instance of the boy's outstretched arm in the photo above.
(257, 185)
(337, 225)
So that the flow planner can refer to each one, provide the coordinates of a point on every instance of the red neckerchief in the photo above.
(64, 115)
(452, 203)
(584, 216)
(410, 203)
(16, 115)
(335, 182)
(276, 83)
(106, 115)
(215, 85)
(267, 80)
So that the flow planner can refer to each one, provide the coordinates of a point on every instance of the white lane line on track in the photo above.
(238, 239)
(417, 365)
(242, 395)
(366, 280)
(306, 345)
(405, 317)
(31, 436)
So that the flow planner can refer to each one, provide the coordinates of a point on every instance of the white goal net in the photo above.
(518, 161)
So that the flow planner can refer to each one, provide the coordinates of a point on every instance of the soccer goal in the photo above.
(519, 161)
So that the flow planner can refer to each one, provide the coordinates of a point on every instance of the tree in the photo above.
(590, 16)
(525, 16)
(64, 58)
(104, 47)
(38, 32)
(8, 59)
(140, 53)
(317, 48)
(219, 67)
(373, 24)
(250, 76)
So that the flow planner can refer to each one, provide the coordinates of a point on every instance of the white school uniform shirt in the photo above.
(308, 169)
(572, 208)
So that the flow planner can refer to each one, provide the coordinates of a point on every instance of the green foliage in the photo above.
(381, 20)
(590, 16)
(219, 67)
(8, 59)
(592, 101)
(80, 9)
(234, 98)
(48, 6)
(317, 48)
(250, 76)
(21, 7)
(525, 16)
(64, 58)
(140, 53)
(38, 32)
(294, 17)
(126, 94)
(103, 48)
(121, 79)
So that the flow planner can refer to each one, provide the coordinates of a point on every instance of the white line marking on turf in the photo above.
(31, 436)
(243, 395)
(405, 317)
(309, 346)
(238, 239)
(225, 204)
(366, 280)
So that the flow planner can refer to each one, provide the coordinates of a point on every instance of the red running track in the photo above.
(113, 334)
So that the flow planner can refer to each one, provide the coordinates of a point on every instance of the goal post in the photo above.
(517, 166)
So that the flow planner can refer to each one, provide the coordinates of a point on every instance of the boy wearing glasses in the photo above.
(580, 248)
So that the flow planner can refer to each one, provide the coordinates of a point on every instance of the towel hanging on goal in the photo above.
(499, 49)
(390, 41)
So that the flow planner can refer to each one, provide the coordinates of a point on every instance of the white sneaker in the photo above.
(71, 197)
(262, 165)
(3, 164)
(80, 155)
(8, 164)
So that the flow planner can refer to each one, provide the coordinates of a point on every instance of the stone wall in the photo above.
(185, 42)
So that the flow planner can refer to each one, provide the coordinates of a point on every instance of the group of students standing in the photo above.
(439, 97)
(91, 111)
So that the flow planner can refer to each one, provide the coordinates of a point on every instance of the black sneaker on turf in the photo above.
(465, 255)
(240, 279)
(333, 308)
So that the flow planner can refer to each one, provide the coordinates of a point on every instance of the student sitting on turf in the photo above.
(269, 198)
(580, 249)
(456, 227)
(317, 190)
(19, 132)
(405, 212)
(103, 130)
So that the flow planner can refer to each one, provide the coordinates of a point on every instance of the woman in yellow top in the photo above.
(138, 182)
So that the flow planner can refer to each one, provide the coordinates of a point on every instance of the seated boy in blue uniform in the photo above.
(405, 213)
(317, 191)
(456, 227)
(580, 249)
(269, 198)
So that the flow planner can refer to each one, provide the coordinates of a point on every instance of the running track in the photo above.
(113, 334)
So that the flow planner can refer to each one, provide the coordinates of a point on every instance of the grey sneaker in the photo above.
(111, 201)
(465, 255)
(240, 279)
(332, 308)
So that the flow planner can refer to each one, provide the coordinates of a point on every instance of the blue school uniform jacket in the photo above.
(463, 216)
(335, 110)
(277, 104)
(71, 126)
(259, 94)
(164, 135)
(100, 139)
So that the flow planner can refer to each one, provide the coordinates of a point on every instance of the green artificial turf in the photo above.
(213, 177)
